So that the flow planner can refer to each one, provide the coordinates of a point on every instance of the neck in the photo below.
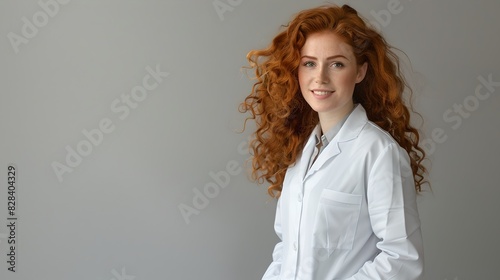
(329, 120)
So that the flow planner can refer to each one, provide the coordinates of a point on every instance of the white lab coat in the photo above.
(353, 214)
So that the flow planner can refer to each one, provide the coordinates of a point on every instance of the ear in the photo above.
(361, 72)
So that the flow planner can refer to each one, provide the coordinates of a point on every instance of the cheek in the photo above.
(348, 80)
(302, 78)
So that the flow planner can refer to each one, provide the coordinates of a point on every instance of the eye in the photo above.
(337, 65)
(308, 64)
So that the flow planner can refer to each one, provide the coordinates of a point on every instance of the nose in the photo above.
(322, 76)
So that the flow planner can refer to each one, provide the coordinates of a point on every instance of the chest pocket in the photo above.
(336, 220)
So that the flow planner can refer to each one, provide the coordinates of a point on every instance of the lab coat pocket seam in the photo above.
(340, 197)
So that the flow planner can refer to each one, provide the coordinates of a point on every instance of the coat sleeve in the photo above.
(274, 269)
(394, 218)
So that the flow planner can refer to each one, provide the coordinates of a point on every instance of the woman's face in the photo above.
(327, 75)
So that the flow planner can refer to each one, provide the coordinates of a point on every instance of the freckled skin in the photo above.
(328, 63)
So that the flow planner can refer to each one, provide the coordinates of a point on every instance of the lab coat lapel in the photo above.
(349, 131)
(307, 152)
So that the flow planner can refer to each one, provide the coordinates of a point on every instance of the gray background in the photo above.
(116, 215)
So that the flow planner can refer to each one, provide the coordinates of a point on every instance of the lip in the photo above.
(322, 96)
(321, 89)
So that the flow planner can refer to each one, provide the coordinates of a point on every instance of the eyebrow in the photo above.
(328, 58)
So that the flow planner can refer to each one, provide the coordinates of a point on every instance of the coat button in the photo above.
(299, 198)
(295, 246)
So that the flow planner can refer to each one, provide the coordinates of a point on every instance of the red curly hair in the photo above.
(284, 119)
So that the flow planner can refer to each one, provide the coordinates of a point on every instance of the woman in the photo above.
(334, 140)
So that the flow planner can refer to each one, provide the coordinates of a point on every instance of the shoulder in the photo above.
(380, 146)
(366, 137)
(373, 133)
(360, 130)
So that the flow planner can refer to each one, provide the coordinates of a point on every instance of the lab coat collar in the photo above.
(349, 131)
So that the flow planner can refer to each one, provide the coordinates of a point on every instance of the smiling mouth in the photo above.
(321, 92)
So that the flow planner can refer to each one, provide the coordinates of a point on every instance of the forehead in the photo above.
(326, 43)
